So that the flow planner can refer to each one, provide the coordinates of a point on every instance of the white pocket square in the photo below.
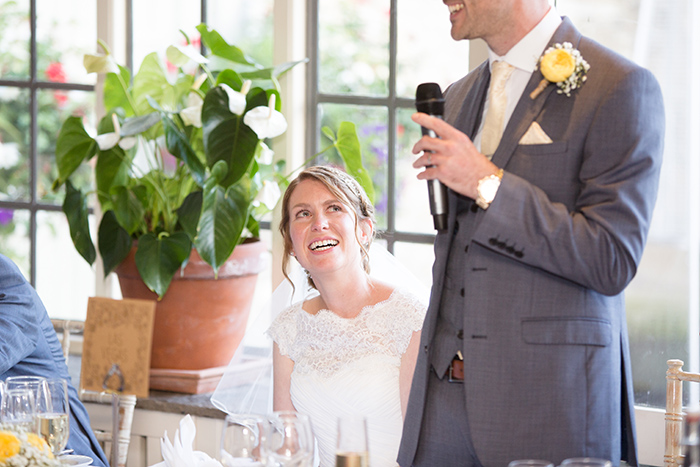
(535, 135)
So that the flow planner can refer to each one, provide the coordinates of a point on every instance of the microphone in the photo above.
(429, 100)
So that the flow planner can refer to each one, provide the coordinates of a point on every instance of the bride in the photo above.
(351, 349)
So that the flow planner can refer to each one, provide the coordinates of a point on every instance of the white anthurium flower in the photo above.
(179, 55)
(9, 155)
(266, 154)
(266, 122)
(236, 99)
(100, 64)
(107, 141)
(192, 114)
(269, 194)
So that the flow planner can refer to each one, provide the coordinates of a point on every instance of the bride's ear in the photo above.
(366, 228)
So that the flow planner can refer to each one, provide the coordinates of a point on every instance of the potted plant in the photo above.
(181, 167)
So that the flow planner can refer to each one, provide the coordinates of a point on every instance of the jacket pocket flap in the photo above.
(571, 331)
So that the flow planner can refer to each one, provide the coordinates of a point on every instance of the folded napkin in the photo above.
(179, 453)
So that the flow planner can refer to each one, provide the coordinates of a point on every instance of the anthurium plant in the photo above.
(180, 162)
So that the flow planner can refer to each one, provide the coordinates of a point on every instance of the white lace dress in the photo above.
(350, 367)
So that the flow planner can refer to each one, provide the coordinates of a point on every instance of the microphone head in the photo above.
(429, 99)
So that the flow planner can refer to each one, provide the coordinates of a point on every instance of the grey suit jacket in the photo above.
(547, 368)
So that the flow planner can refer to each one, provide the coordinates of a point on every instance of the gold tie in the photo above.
(493, 122)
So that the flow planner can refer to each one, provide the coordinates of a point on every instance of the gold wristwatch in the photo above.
(487, 188)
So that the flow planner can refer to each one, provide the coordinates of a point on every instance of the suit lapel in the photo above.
(527, 108)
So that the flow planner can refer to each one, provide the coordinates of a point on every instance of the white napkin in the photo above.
(179, 453)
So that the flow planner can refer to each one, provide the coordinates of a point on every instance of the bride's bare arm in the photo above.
(408, 365)
(282, 367)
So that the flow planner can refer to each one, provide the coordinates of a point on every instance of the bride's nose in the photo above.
(320, 223)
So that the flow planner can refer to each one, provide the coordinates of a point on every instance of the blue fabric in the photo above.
(29, 346)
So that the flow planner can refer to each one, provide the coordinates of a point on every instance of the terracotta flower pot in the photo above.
(201, 320)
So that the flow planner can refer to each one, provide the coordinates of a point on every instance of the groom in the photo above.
(524, 350)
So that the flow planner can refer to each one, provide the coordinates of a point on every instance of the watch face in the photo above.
(488, 187)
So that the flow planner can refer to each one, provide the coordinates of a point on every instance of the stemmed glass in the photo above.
(289, 441)
(586, 462)
(351, 450)
(18, 408)
(530, 463)
(241, 440)
(24, 382)
(52, 411)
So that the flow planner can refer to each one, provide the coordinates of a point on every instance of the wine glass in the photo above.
(25, 382)
(351, 450)
(585, 462)
(52, 411)
(18, 408)
(289, 441)
(241, 440)
(530, 463)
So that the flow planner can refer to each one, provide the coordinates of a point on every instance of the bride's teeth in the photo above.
(323, 245)
(455, 7)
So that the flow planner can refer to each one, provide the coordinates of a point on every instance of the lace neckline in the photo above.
(365, 309)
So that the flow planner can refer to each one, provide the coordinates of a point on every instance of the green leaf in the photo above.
(151, 80)
(231, 78)
(111, 169)
(348, 146)
(137, 125)
(158, 259)
(128, 209)
(73, 146)
(113, 241)
(76, 210)
(116, 89)
(178, 145)
(221, 48)
(226, 138)
(189, 212)
(224, 215)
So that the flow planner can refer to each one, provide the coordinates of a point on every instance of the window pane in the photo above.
(64, 280)
(425, 50)
(54, 108)
(245, 24)
(64, 35)
(14, 237)
(157, 25)
(418, 258)
(372, 128)
(14, 39)
(412, 207)
(353, 46)
(14, 144)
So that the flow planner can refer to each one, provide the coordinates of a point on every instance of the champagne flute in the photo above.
(52, 414)
(530, 463)
(351, 450)
(18, 409)
(241, 440)
(289, 441)
(586, 462)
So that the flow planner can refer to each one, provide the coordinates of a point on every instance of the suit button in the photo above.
(493, 241)
(510, 249)
(460, 334)
(461, 291)
(474, 208)
(501, 245)
(425, 349)
(466, 249)
(518, 254)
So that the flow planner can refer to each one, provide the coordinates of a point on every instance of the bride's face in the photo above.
(322, 230)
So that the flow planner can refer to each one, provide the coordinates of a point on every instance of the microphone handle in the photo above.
(437, 192)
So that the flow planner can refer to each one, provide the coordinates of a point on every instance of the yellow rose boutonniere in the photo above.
(563, 66)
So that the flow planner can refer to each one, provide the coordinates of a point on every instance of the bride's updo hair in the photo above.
(346, 189)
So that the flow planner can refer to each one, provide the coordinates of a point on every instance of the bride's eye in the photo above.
(335, 208)
(302, 213)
